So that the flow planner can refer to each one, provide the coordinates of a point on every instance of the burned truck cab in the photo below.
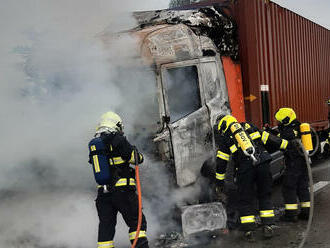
(191, 90)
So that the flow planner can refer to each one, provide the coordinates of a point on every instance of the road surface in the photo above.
(288, 235)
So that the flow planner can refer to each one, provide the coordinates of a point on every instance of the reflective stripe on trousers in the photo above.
(105, 244)
(267, 213)
(247, 219)
(142, 234)
(305, 204)
(291, 206)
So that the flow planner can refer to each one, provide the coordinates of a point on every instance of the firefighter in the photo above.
(295, 181)
(251, 161)
(111, 155)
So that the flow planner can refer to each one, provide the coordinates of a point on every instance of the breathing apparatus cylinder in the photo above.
(306, 136)
(243, 140)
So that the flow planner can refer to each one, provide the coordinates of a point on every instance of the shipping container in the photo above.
(284, 58)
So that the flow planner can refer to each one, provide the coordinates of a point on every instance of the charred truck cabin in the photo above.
(191, 82)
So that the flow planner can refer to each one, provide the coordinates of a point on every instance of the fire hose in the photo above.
(138, 186)
(307, 156)
(311, 192)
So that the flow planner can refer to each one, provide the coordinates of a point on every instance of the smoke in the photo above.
(56, 81)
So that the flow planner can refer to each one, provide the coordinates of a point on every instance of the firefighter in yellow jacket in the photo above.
(245, 143)
(111, 155)
(295, 181)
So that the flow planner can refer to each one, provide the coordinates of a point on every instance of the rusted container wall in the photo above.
(287, 53)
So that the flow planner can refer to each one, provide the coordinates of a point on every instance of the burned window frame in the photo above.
(181, 64)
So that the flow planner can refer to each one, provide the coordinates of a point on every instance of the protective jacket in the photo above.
(291, 132)
(120, 154)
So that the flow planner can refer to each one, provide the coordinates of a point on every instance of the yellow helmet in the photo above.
(224, 122)
(285, 115)
(328, 101)
(111, 122)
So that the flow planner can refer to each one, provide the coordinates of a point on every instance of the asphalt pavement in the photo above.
(291, 234)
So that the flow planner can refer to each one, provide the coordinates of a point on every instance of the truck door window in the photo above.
(182, 87)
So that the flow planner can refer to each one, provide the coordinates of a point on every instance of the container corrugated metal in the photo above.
(286, 52)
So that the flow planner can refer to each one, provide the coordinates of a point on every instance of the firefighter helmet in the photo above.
(229, 122)
(328, 101)
(110, 122)
(224, 122)
(285, 115)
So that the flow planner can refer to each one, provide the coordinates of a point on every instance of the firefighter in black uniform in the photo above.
(295, 181)
(252, 166)
(116, 191)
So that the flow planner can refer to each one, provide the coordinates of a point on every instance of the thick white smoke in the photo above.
(56, 81)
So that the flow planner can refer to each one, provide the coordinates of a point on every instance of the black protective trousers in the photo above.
(295, 182)
(254, 183)
(124, 201)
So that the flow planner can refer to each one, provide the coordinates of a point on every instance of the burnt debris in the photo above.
(208, 21)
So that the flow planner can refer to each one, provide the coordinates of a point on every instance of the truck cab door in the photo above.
(188, 118)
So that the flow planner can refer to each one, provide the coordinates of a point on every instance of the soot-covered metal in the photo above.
(208, 21)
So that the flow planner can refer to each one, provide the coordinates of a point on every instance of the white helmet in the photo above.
(110, 122)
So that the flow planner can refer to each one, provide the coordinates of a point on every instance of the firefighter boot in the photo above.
(267, 231)
(249, 236)
(289, 218)
(304, 214)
